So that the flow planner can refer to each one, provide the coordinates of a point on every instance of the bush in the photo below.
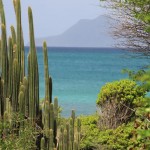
(89, 132)
(117, 102)
(93, 138)
(118, 139)
(15, 138)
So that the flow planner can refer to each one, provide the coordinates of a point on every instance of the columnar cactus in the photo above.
(78, 132)
(10, 79)
(48, 81)
(1, 98)
(19, 93)
(43, 143)
(33, 73)
(15, 86)
(4, 56)
(26, 93)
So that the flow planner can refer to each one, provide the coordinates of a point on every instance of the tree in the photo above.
(133, 25)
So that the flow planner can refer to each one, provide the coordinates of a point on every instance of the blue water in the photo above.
(79, 73)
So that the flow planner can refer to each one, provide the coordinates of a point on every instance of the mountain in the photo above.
(85, 33)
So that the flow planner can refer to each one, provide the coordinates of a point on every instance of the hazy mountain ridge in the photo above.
(85, 33)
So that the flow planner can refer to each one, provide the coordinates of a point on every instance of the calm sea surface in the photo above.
(79, 73)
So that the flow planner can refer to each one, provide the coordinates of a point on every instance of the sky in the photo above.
(52, 17)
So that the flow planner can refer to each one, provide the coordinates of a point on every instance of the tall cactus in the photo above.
(10, 79)
(43, 143)
(19, 94)
(78, 132)
(3, 48)
(0, 57)
(47, 80)
(19, 39)
(33, 72)
(26, 92)
(4, 58)
(18, 18)
(13, 34)
(15, 86)
(1, 98)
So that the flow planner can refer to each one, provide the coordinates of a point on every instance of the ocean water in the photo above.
(79, 73)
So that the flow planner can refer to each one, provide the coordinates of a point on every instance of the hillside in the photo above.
(85, 33)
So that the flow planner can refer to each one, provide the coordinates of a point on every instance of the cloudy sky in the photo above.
(52, 17)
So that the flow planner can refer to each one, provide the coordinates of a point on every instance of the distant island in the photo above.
(85, 33)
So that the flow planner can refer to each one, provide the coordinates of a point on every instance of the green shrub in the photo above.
(112, 139)
(133, 134)
(118, 139)
(117, 102)
(124, 90)
(15, 138)
(142, 122)
(89, 132)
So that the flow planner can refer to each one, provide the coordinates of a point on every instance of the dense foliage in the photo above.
(117, 102)
(93, 138)
(124, 90)
(135, 134)
(13, 138)
(89, 132)
(142, 122)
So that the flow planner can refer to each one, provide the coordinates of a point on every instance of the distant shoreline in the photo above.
(78, 48)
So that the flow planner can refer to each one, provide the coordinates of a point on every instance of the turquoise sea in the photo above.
(79, 73)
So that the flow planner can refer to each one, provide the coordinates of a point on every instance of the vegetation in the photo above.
(142, 122)
(25, 123)
(27, 134)
(123, 121)
(117, 102)
(101, 132)
(93, 138)
(133, 23)
(89, 132)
